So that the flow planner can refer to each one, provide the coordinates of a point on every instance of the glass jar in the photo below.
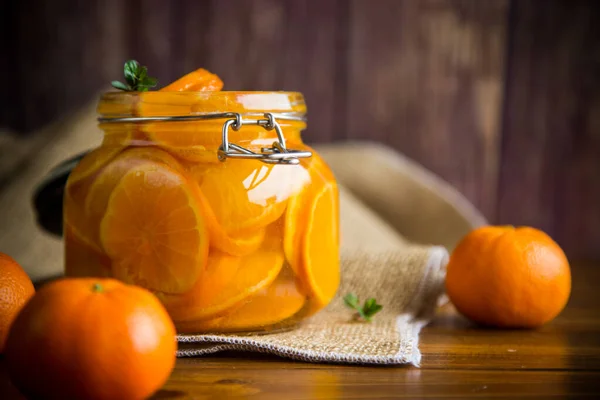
(197, 197)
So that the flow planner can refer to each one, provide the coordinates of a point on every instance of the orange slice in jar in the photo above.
(248, 194)
(100, 190)
(186, 140)
(227, 282)
(189, 141)
(83, 261)
(311, 236)
(239, 244)
(300, 205)
(154, 231)
(199, 80)
(76, 191)
(278, 302)
(320, 272)
(92, 163)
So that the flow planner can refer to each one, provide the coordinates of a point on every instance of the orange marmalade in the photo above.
(211, 201)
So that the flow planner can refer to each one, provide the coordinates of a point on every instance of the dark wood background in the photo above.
(499, 97)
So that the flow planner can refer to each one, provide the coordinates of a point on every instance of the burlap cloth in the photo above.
(398, 223)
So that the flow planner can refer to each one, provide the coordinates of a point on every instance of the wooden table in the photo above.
(560, 360)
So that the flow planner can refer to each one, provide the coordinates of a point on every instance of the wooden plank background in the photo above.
(499, 97)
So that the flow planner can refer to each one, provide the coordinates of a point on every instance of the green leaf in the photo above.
(351, 300)
(148, 82)
(120, 85)
(143, 73)
(136, 77)
(368, 309)
(371, 308)
(131, 69)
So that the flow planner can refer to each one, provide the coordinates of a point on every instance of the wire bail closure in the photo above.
(278, 153)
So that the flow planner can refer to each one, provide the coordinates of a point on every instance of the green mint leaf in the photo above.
(131, 68)
(120, 86)
(367, 310)
(351, 301)
(136, 77)
(371, 307)
(142, 73)
(148, 82)
(364, 316)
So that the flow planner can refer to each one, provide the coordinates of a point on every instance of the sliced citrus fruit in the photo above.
(227, 282)
(186, 140)
(74, 215)
(76, 190)
(311, 236)
(153, 229)
(81, 260)
(190, 141)
(300, 205)
(130, 136)
(96, 201)
(248, 194)
(92, 163)
(320, 271)
(199, 80)
(278, 302)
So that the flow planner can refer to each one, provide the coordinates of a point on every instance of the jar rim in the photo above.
(163, 104)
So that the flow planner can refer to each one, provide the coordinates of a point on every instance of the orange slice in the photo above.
(199, 80)
(132, 136)
(96, 201)
(92, 163)
(82, 260)
(276, 303)
(248, 194)
(299, 207)
(186, 140)
(190, 141)
(239, 244)
(311, 235)
(320, 272)
(227, 282)
(154, 231)
(76, 191)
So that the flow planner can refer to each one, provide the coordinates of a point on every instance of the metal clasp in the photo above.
(278, 153)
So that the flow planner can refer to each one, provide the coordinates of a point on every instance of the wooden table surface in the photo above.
(560, 360)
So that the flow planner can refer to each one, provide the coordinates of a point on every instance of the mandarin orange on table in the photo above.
(15, 290)
(91, 338)
(508, 277)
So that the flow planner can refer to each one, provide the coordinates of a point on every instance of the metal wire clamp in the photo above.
(278, 153)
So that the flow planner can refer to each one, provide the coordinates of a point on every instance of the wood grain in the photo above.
(460, 360)
(274, 45)
(551, 141)
(426, 77)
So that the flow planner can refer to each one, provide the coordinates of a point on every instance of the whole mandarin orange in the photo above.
(88, 338)
(15, 289)
(508, 277)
